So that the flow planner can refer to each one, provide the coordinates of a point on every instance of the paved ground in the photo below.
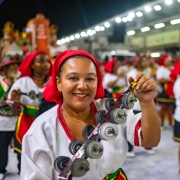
(161, 166)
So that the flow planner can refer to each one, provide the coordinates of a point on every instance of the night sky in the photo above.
(70, 15)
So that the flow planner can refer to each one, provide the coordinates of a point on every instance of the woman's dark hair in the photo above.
(44, 106)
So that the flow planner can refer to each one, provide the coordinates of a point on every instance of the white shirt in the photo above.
(25, 85)
(46, 140)
(176, 90)
(109, 77)
(7, 120)
(162, 72)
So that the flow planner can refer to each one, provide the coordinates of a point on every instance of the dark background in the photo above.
(70, 15)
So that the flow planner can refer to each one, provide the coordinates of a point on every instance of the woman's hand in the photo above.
(145, 89)
(16, 96)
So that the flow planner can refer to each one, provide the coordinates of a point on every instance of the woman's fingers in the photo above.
(145, 83)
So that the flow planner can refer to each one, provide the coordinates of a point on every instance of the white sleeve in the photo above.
(37, 159)
(16, 85)
(159, 73)
(133, 128)
(107, 79)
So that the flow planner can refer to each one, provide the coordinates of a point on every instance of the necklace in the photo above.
(75, 119)
(38, 79)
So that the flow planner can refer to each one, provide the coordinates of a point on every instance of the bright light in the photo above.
(102, 28)
(130, 33)
(63, 41)
(97, 28)
(118, 19)
(124, 19)
(58, 42)
(155, 54)
(113, 52)
(93, 32)
(129, 18)
(178, 1)
(107, 24)
(139, 14)
(158, 26)
(72, 38)
(77, 36)
(131, 14)
(67, 39)
(175, 21)
(147, 8)
(89, 32)
(157, 7)
(168, 2)
(83, 34)
(145, 29)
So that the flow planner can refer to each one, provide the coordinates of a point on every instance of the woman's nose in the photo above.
(82, 84)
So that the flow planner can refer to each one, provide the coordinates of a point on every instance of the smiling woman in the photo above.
(76, 88)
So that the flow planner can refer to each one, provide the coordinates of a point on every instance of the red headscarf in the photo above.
(162, 59)
(51, 93)
(109, 66)
(176, 71)
(25, 67)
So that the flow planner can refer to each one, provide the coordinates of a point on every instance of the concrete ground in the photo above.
(161, 166)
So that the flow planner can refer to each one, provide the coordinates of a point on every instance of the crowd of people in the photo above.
(45, 105)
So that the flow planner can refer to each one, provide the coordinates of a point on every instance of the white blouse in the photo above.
(46, 140)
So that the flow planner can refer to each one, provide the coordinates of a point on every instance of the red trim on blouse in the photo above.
(136, 137)
(64, 124)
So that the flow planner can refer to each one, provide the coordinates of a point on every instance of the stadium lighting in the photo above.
(58, 42)
(139, 14)
(147, 8)
(168, 2)
(67, 39)
(175, 21)
(77, 36)
(83, 34)
(157, 7)
(102, 28)
(89, 32)
(118, 19)
(131, 14)
(129, 18)
(72, 38)
(130, 33)
(97, 28)
(63, 41)
(158, 26)
(145, 29)
(107, 24)
(93, 32)
(124, 19)
(155, 54)
(113, 52)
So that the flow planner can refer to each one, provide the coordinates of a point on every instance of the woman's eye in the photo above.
(90, 79)
(73, 78)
